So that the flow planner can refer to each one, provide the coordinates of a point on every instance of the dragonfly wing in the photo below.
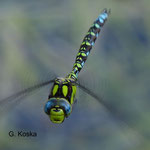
(97, 97)
(112, 111)
(22, 94)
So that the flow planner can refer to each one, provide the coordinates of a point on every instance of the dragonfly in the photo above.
(62, 96)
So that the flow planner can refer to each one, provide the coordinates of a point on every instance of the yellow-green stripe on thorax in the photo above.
(64, 88)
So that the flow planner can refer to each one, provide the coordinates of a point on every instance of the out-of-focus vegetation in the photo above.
(38, 37)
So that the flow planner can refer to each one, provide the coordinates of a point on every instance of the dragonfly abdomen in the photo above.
(87, 43)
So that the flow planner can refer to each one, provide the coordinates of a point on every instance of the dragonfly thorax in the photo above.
(64, 88)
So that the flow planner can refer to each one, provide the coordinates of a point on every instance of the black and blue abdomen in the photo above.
(87, 43)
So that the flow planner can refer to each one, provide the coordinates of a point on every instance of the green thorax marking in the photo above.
(64, 88)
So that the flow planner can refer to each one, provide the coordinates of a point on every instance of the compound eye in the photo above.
(49, 104)
(65, 106)
(67, 110)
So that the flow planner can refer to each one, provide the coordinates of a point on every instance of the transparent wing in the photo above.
(14, 99)
(114, 114)
(24, 92)
(99, 98)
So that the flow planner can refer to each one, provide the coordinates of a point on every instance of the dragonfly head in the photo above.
(57, 109)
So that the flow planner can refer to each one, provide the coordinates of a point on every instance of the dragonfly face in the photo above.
(58, 109)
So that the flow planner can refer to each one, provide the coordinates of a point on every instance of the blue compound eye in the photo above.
(47, 107)
(65, 106)
(67, 110)
(49, 104)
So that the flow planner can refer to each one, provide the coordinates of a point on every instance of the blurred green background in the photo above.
(39, 38)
